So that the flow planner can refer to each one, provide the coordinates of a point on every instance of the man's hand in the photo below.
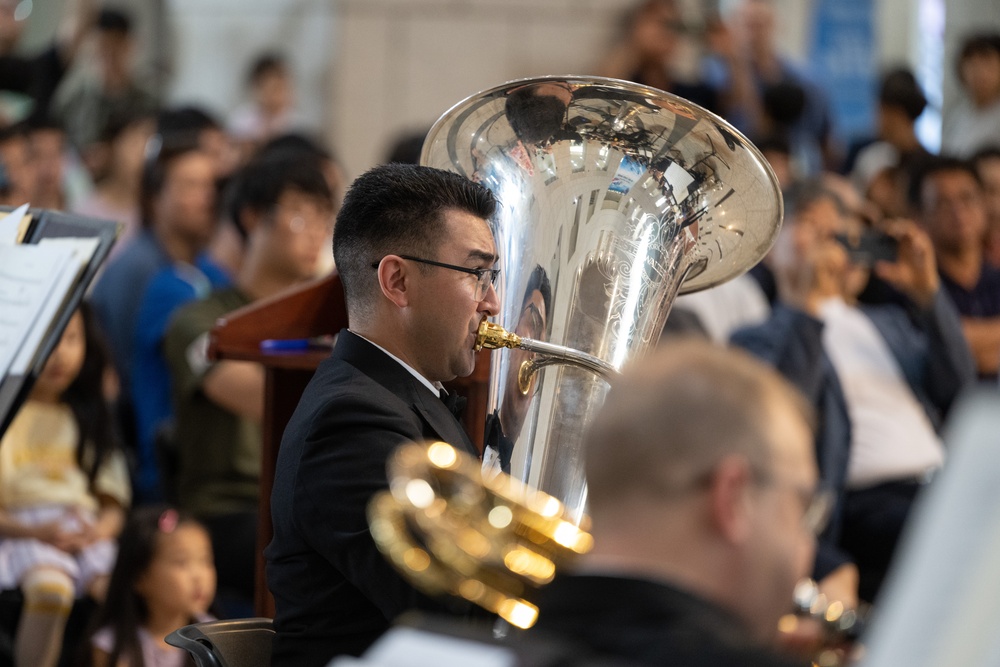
(915, 271)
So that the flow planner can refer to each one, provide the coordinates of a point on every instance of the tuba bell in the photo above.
(615, 197)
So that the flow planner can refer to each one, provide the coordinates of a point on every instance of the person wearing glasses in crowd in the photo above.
(416, 256)
(283, 209)
(882, 377)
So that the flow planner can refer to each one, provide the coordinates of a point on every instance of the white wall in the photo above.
(402, 63)
(214, 43)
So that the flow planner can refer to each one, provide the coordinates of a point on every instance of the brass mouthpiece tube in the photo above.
(493, 336)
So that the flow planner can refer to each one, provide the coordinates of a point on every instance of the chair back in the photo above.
(242, 642)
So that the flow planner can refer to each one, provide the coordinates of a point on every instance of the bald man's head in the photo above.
(674, 415)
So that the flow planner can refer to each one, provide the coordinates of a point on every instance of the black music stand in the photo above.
(46, 224)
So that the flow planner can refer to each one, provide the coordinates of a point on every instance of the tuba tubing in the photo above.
(494, 337)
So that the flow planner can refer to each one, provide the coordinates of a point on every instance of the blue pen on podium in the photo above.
(297, 344)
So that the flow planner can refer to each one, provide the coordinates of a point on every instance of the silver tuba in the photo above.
(615, 197)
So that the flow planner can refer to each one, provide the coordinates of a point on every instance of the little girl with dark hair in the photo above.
(164, 579)
(63, 489)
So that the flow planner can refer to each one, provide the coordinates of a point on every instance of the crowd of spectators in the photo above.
(217, 214)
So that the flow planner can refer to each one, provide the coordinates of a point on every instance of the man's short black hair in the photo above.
(900, 89)
(260, 184)
(111, 19)
(935, 166)
(183, 126)
(397, 208)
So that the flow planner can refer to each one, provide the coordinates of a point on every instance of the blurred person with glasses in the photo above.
(881, 376)
(283, 209)
(705, 500)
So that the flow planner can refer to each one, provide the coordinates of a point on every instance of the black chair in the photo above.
(242, 642)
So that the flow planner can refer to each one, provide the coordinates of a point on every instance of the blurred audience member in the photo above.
(975, 122)
(187, 214)
(114, 91)
(283, 207)
(406, 147)
(876, 175)
(38, 75)
(882, 378)
(882, 171)
(177, 213)
(271, 109)
(120, 151)
(900, 103)
(719, 311)
(227, 247)
(47, 152)
(778, 153)
(164, 579)
(194, 125)
(953, 211)
(649, 53)
(15, 155)
(63, 489)
(784, 88)
(987, 164)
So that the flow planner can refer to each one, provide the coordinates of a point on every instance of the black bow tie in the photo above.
(454, 403)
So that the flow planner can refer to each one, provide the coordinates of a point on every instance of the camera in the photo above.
(870, 247)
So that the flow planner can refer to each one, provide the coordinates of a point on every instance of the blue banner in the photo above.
(845, 64)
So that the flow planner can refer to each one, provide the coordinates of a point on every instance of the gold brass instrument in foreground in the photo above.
(447, 530)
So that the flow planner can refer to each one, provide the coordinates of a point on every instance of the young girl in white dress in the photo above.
(164, 579)
(63, 488)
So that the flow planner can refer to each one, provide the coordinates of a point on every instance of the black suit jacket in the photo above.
(620, 620)
(334, 592)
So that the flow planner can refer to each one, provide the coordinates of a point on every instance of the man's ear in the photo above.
(394, 280)
(730, 502)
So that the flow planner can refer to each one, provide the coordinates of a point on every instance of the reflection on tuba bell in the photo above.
(615, 197)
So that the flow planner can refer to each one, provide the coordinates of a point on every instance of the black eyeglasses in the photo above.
(484, 277)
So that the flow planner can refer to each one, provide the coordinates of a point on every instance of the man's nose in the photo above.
(490, 303)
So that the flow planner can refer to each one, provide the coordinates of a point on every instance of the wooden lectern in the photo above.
(314, 309)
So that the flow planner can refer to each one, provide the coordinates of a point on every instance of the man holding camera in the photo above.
(882, 377)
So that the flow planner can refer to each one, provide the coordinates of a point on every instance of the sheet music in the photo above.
(34, 283)
(80, 252)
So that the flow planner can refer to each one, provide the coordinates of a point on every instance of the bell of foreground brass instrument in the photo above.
(489, 541)
(615, 197)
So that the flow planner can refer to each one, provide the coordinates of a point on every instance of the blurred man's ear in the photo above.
(729, 498)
